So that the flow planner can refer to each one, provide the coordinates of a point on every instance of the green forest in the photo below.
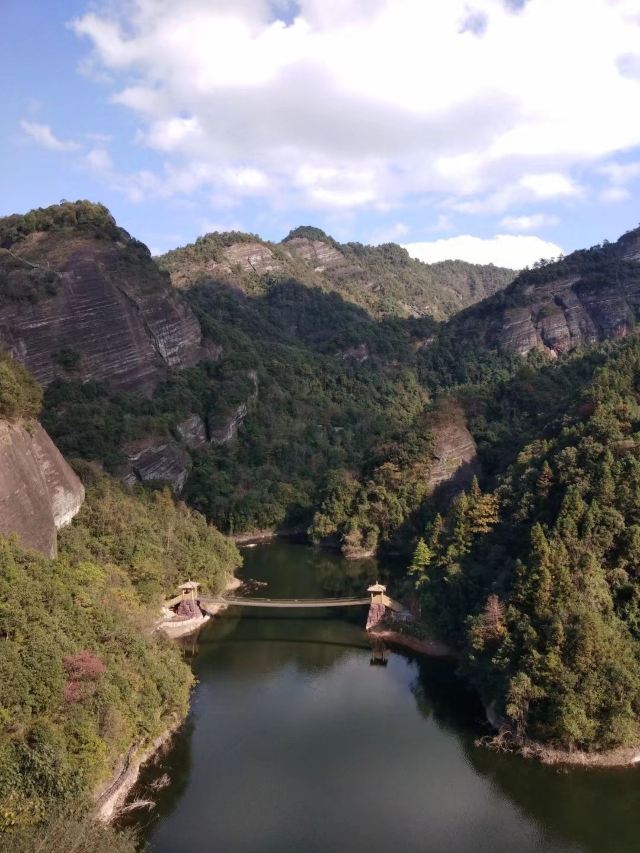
(530, 573)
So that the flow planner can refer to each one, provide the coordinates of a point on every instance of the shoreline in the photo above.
(255, 536)
(428, 648)
(621, 757)
(112, 795)
(111, 799)
(187, 627)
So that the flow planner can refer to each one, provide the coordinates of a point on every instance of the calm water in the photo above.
(296, 742)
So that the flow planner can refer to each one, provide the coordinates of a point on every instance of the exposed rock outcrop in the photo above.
(318, 253)
(39, 493)
(229, 429)
(455, 457)
(383, 280)
(590, 296)
(158, 460)
(193, 432)
(221, 433)
(109, 314)
(357, 353)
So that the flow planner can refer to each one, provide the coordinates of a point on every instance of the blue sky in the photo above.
(489, 130)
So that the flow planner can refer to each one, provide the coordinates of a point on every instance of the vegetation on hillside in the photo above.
(84, 216)
(82, 675)
(383, 280)
(536, 581)
(20, 394)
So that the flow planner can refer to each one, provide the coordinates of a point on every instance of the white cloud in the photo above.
(534, 187)
(620, 175)
(221, 227)
(392, 234)
(44, 136)
(504, 250)
(368, 102)
(612, 195)
(444, 222)
(99, 160)
(528, 223)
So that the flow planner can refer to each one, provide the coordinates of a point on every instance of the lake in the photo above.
(299, 740)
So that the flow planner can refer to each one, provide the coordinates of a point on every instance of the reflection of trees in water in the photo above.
(593, 811)
(339, 577)
(440, 693)
(173, 761)
(588, 811)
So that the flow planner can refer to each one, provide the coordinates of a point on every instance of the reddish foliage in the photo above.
(586, 409)
(84, 666)
(74, 691)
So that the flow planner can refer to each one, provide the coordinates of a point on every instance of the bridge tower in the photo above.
(377, 606)
(189, 590)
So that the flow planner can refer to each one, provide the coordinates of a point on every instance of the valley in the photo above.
(475, 428)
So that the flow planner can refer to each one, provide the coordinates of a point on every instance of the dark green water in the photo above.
(297, 743)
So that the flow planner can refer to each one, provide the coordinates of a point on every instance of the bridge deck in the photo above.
(288, 602)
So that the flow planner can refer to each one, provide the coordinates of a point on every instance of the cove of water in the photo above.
(297, 742)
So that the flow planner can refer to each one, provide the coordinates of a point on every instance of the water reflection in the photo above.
(296, 742)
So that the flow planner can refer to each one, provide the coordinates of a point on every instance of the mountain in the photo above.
(383, 280)
(555, 308)
(80, 298)
(502, 444)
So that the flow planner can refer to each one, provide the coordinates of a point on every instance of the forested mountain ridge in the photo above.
(557, 307)
(535, 580)
(384, 279)
(84, 680)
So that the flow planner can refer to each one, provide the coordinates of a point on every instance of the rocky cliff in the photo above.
(39, 493)
(589, 296)
(454, 452)
(88, 302)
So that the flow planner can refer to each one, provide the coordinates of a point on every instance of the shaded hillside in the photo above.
(590, 296)
(80, 298)
(383, 280)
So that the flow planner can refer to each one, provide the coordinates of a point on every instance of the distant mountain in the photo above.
(589, 296)
(383, 280)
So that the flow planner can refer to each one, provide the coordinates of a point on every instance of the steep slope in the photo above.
(39, 493)
(537, 580)
(79, 297)
(383, 280)
(590, 296)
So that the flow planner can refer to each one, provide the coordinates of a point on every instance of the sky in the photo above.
(488, 130)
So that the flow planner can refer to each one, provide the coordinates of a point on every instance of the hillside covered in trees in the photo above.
(536, 579)
(383, 280)
(309, 412)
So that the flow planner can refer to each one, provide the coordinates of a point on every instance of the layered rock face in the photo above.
(39, 493)
(455, 456)
(381, 279)
(193, 432)
(318, 253)
(158, 460)
(567, 315)
(600, 302)
(109, 313)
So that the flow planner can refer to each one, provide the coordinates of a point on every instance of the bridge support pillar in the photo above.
(377, 607)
